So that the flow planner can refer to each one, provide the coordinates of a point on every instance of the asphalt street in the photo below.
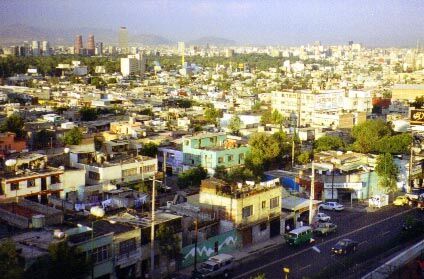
(366, 228)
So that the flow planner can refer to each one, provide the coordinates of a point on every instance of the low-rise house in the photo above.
(212, 150)
(116, 169)
(10, 144)
(255, 209)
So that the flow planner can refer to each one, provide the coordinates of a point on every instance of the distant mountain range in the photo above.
(17, 33)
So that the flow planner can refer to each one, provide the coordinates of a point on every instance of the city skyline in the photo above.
(373, 23)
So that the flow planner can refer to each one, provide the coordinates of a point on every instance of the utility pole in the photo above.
(152, 229)
(195, 244)
(311, 197)
(332, 183)
(410, 180)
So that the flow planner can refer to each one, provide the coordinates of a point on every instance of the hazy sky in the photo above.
(288, 22)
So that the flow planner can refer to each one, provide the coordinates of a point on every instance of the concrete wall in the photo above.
(227, 242)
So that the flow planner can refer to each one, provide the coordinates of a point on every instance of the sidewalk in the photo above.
(248, 253)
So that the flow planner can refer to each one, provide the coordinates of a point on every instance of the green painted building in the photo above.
(210, 150)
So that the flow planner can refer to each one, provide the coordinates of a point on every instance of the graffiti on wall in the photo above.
(224, 243)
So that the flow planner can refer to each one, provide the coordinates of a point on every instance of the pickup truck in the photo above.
(325, 228)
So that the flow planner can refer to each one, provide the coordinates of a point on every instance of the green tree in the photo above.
(304, 157)
(259, 276)
(235, 124)
(266, 117)
(88, 114)
(387, 172)
(67, 262)
(192, 177)
(212, 115)
(326, 143)
(73, 137)
(368, 133)
(264, 149)
(41, 138)
(14, 123)
(277, 118)
(149, 149)
(9, 261)
(397, 144)
(168, 242)
(419, 102)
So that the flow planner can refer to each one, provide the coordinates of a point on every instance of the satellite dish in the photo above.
(10, 162)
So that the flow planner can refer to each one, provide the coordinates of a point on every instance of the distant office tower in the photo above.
(35, 48)
(45, 47)
(91, 45)
(123, 39)
(78, 44)
(99, 49)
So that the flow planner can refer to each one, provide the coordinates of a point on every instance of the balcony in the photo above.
(129, 258)
(56, 186)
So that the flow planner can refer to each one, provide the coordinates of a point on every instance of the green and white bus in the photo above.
(299, 236)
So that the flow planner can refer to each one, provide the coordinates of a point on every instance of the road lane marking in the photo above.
(305, 267)
(385, 233)
(320, 244)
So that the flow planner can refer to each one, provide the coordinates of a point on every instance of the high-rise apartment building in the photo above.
(133, 65)
(123, 39)
(78, 44)
(91, 45)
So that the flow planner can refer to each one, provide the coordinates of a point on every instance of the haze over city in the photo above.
(286, 22)
(194, 139)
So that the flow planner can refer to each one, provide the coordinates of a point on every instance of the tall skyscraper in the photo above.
(123, 39)
(45, 47)
(91, 45)
(99, 48)
(35, 48)
(78, 44)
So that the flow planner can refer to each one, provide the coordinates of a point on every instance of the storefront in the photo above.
(344, 191)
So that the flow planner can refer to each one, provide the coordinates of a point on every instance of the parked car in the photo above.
(322, 217)
(344, 247)
(331, 206)
(401, 201)
(415, 193)
(299, 236)
(220, 265)
(325, 228)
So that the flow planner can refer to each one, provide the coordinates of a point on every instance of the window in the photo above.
(274, 202)
(93, 175)
(186, 142)
(30, 183)
(129, 172)
(55, 179)
(127, 246)
(247, 211)
(100, 254)
(241, 156)
(14, 186)
(230, 157)
(220, 160)
(263, 204)
(149, 168)
(262, 226)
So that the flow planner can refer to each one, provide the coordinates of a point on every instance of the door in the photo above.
(274, 227)
(43, 184)
(246, 236)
